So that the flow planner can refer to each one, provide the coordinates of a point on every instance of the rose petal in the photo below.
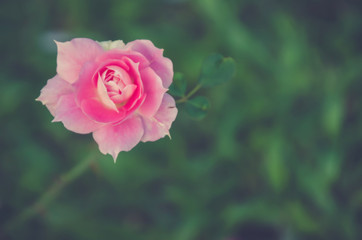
(158, 126)
(97, 111)
(154, 92)
(138, 95)
(102, 93)
(89, 98)
(73, 54)
(127, 92)
(121, 137)
(136, 57)
(121, 73)
(72, 116)
(160, 64)
(53, 90)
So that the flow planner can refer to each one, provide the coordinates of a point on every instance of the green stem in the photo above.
(49, 195)
(192, 92)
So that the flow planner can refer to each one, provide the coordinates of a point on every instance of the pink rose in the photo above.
(115, 91)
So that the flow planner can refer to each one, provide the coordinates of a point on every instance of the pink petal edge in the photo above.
(160, 64)
(73, 54)
(112, 139)
(154, 92)
(52, 91)
(72, 116)
(158, 126)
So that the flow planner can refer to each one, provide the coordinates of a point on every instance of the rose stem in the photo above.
(192, 92)
(50, 194)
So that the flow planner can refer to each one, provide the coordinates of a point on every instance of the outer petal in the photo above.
(122, 137)
(158, 126)
(160, 64)
(53, 90)
(117, 53)
(98, 112)
(73, 54)
(154, 92)
(72, 116)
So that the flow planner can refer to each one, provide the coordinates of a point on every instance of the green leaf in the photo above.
(276, 170)
(178, 86)
(197, 107)
(216, 69)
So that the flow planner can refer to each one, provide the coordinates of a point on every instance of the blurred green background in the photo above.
(277, 157)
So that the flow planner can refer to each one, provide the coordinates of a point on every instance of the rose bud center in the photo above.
(118, 84)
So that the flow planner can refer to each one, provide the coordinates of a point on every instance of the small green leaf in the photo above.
(197, 107)
(178, 86)
(216, 69)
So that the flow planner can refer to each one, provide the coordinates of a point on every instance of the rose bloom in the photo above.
(113, 90)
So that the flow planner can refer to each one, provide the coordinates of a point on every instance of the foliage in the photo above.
(178, 86)
(197, 107)
(216, 70)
